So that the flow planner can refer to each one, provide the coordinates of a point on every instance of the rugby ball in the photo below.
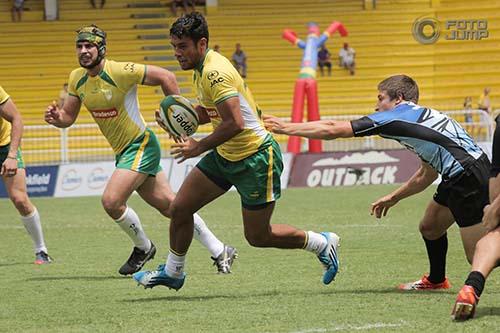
(179, 115)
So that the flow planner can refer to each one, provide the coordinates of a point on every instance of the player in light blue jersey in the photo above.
(444, 148)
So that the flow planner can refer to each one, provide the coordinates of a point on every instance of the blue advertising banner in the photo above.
(40, 181)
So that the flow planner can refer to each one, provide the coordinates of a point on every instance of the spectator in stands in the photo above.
(92, 2)
(182, 3)
(62, 95)
(240, 61)
(217, 48)
(484, 101)
(324, 60)
(346, 58)
(468, 109)
(17, 10)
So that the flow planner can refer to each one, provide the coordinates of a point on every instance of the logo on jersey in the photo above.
(214, 78)
(130, 67)
(212, 75)
(214, 82)
(108, 94)
(103, 114)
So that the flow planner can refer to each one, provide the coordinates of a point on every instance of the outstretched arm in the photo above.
(321, 129)
(424, 176)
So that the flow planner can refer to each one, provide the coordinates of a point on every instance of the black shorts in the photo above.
(467, 194)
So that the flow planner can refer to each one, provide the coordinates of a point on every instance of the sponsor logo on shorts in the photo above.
(103, 114)
(255, 194)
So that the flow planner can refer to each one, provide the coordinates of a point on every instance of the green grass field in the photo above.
(269, 290)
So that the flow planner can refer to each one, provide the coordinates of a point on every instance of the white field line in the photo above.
(369, 326)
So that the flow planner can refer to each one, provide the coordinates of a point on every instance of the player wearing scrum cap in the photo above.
(108, 89)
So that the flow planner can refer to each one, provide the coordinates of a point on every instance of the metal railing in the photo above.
(45, 144)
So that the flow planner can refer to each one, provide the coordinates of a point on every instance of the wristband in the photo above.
(12, 158)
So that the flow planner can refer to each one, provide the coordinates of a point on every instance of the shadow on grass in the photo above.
(271, 293)
(76, 278)
(487, 311)
(17, 264)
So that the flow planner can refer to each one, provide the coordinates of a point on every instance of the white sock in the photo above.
(315, 242)
(130, 223)
(175, 265)
(34, 228)
(206, 237)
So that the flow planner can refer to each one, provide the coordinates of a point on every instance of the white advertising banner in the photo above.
(83, 179)
(176, 173)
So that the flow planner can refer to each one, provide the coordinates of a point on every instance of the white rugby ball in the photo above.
(179, 115)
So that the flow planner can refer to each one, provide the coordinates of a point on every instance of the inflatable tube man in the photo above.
(306, 86)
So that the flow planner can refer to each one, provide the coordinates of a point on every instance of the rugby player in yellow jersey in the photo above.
(108, 89)
(241, 153)
(14, 175)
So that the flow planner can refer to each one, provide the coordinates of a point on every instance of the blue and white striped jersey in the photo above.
(436, 138)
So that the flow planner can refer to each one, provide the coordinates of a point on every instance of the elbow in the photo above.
(238, 127)
(171, 81)
(330, 132)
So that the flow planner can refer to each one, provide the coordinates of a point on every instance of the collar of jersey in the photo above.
(199, 67)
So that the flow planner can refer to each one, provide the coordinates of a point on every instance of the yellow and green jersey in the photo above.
(5, 126)
(111, 98)
(216, 80)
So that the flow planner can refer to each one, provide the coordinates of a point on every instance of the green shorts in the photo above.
(4, 151)
(142, 155)
(257, 177)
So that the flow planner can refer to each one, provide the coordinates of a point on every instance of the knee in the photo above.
(257, 240)
(430, 231)
(21, 202)
(164, 205)
(177, 212)
(113, 207)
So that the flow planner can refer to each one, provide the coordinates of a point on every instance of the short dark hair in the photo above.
(400, 85)
(191, 25)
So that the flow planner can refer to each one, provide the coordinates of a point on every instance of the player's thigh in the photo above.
(437, 219)
(196, 191)
(121, 185)
(257, 220)
(156, 191)
(470, 236)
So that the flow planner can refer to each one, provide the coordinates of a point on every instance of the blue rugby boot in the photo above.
(150, 279)
(329, 257)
